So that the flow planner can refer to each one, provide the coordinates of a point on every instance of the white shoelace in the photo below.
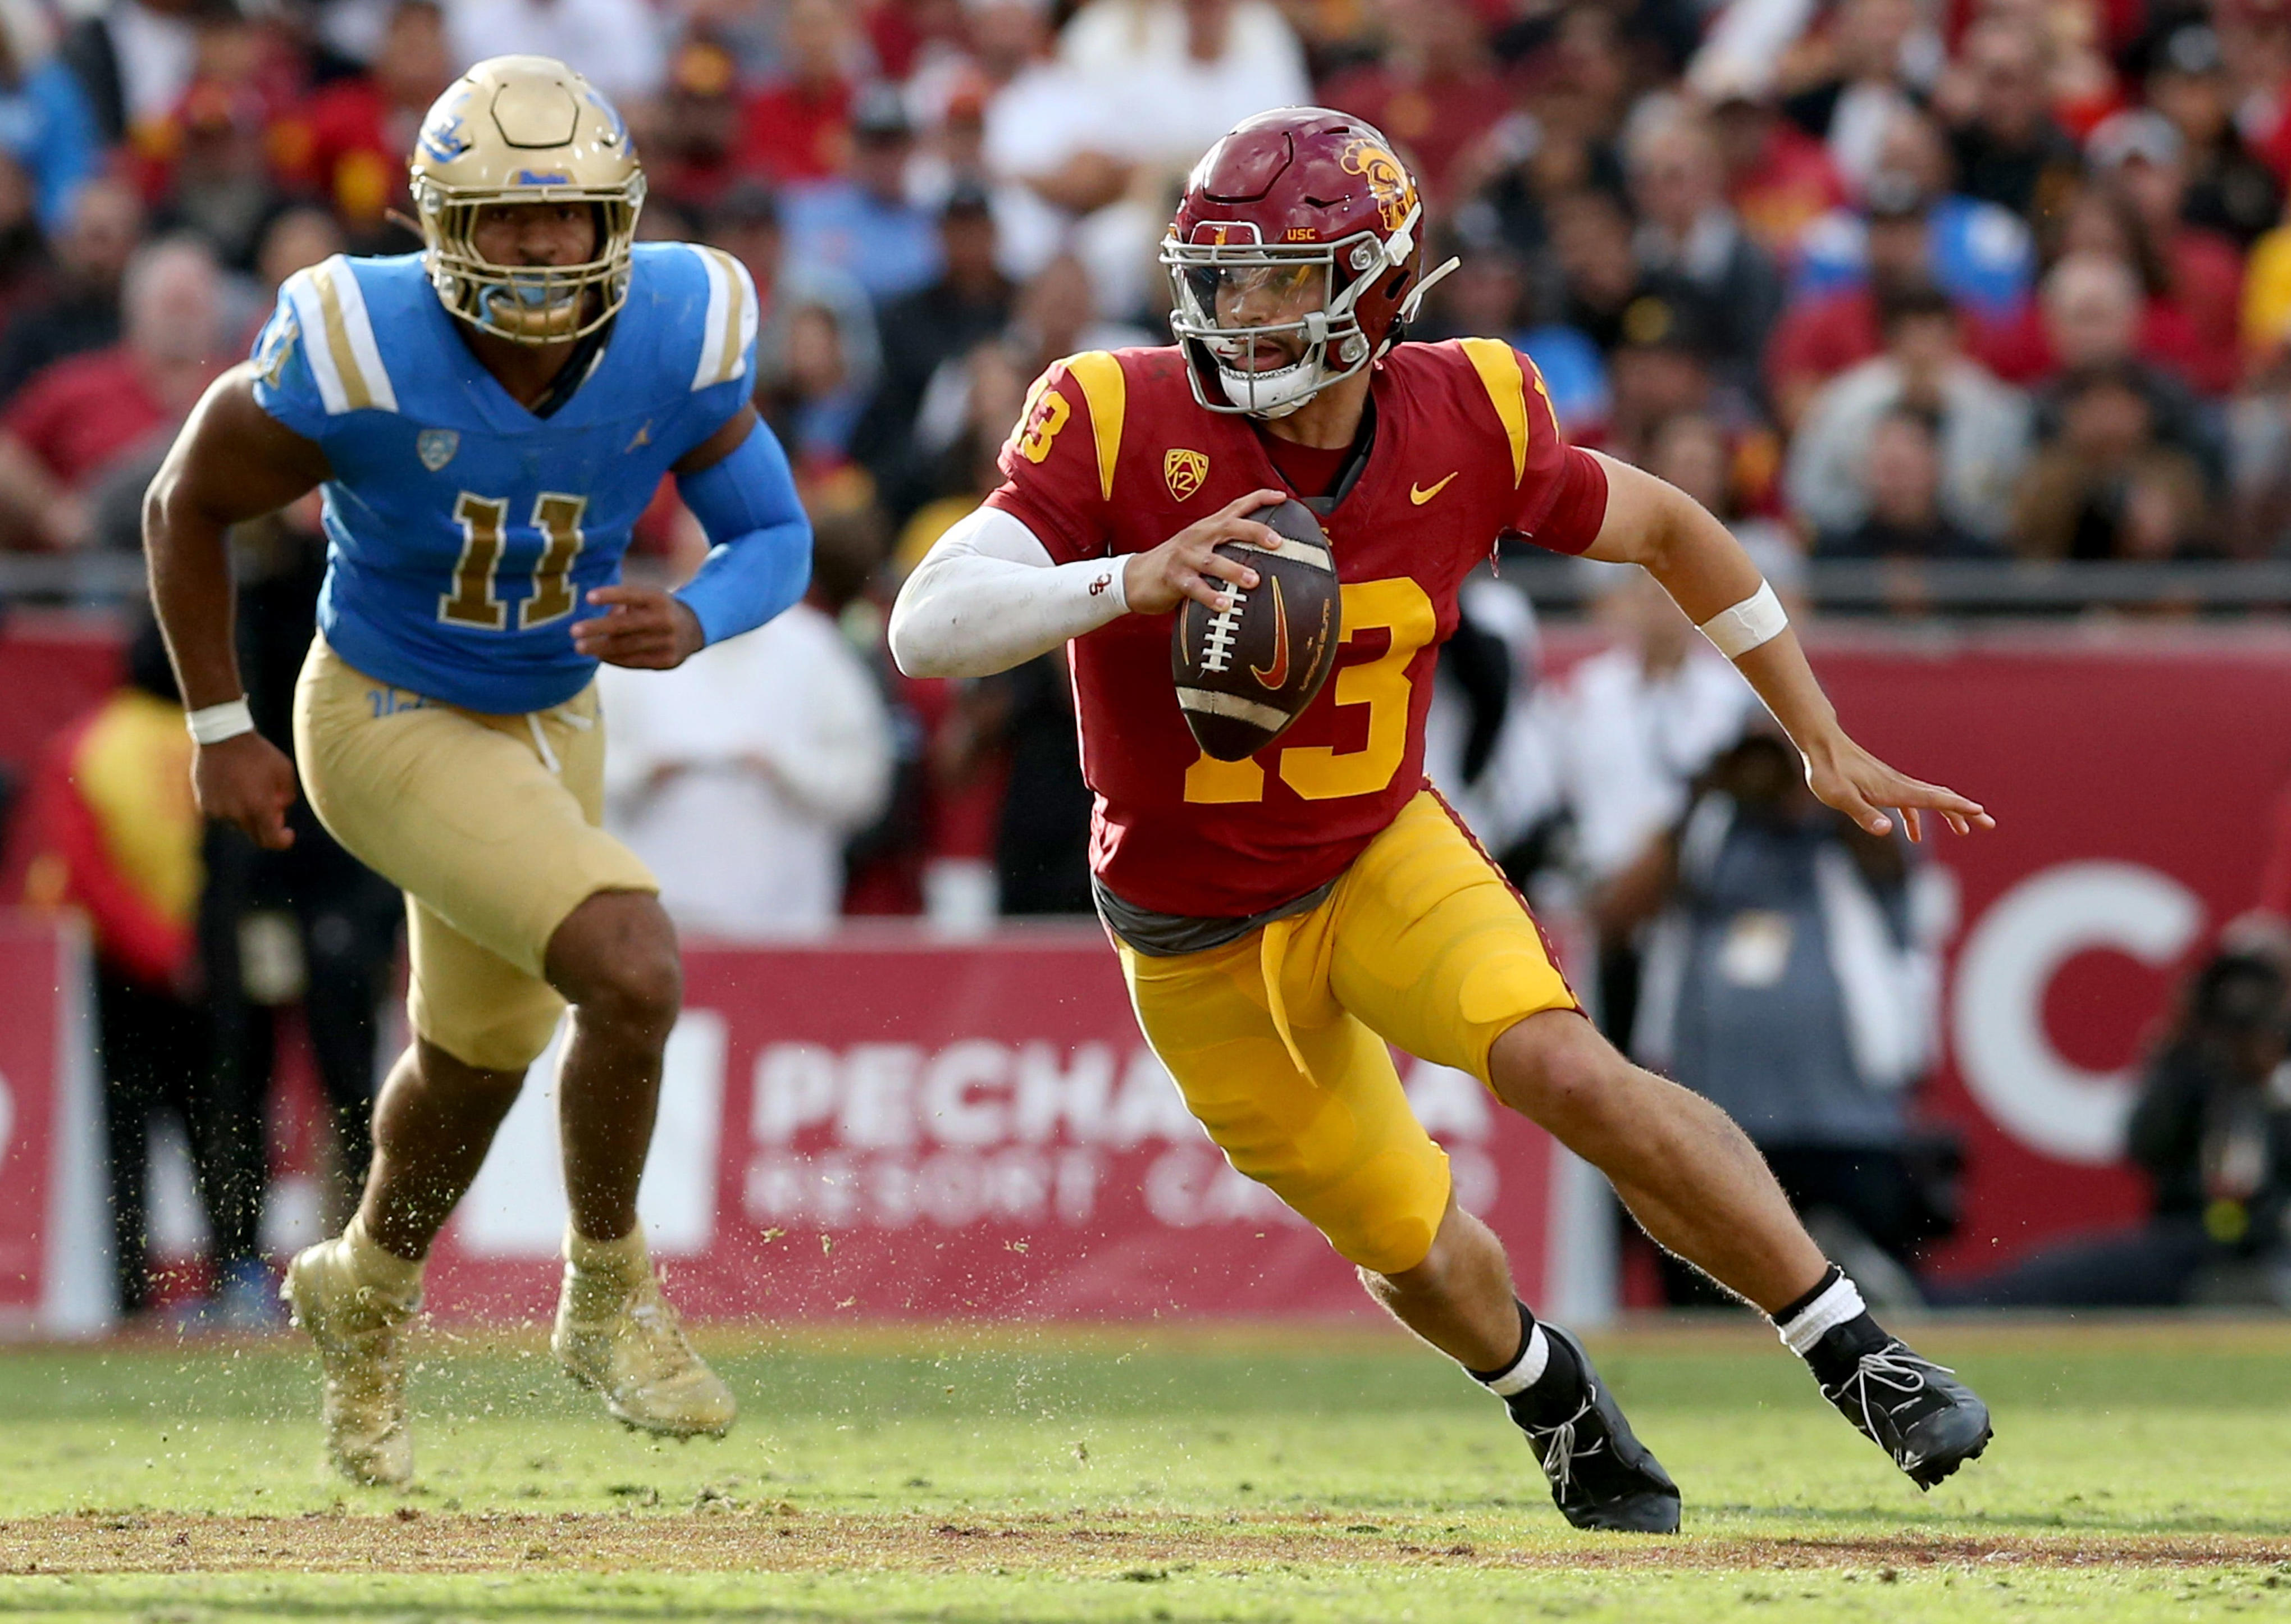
(1895, 1367)
(656, 1322)
(1559, 1454)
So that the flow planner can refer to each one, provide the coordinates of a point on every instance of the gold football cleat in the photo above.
(634, 1351)
(358, 1329)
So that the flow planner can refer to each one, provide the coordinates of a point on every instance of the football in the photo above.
(1244, 673)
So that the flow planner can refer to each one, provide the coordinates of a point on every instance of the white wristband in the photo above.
(212, 724)
(1756, 619)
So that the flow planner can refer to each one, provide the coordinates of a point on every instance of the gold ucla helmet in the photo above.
(526, 129)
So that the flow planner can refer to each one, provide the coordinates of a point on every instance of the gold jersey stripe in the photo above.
(727, 360)
(1107, 393)
(355, 391)
(1498, 365)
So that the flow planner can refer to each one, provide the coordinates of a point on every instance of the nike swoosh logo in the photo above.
(1275, 675)
(1417, 495)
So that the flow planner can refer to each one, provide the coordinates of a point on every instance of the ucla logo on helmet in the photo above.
(436, 448)
(620, 126)
(1184, 470)
(441, 138)
(1388, 180)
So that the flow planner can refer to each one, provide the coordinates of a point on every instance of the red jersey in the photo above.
(1114, 455)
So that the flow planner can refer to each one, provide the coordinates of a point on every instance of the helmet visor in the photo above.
(1251, 307)
(1272, 321)
(1261, 295)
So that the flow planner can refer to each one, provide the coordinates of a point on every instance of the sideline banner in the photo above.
(888, 1124)
(55, 1235)
(2131, 772)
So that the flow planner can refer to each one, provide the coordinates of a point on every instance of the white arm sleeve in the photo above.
(986, 597)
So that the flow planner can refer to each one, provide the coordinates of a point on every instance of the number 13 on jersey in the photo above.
(1317, 772)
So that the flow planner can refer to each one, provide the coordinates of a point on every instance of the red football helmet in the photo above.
(1286, 199)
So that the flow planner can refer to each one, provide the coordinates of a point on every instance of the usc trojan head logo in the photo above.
(1184, 471)
(1388, 180)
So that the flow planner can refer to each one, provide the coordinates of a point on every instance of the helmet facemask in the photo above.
(529, 304)
(1331, 346)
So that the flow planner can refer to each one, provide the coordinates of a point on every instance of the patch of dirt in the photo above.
(780, 1538)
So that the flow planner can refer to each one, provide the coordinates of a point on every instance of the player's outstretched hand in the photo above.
(247, 782)
(1844, 776)
(640, 627)
(1187, 566)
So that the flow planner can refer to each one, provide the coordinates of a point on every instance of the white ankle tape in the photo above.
(1835, 1307)
(375, 1265)
(1525, 1371)
(624, 1256)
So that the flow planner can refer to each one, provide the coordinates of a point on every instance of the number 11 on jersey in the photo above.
(476, 598)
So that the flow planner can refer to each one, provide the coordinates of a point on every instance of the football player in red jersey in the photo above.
(1280, 918)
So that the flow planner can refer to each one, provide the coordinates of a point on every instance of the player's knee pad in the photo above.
(1385, 1243)
(505, 1034)
(1384, 1214)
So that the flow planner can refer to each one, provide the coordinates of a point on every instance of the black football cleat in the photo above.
(1602, 1476)
(1917, 1412)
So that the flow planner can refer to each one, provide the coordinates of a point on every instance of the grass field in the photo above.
(2140, 1472)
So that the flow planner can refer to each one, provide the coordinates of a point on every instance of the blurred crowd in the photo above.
(1959, 279)
(1887, 280)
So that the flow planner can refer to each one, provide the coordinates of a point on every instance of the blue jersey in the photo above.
(463, 532)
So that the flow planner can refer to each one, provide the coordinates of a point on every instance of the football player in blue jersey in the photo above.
(487, 420)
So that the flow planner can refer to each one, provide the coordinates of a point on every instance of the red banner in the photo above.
(54, 1240)
(2131, 772)
(889, 1125)
(54, 667)
(29, 1049)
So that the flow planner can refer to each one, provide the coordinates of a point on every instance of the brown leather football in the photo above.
(1245, 674)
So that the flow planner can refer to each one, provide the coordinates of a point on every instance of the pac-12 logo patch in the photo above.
(436, 448)
(1184, 471)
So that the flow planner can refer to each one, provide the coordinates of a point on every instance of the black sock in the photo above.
(1552, 1392)
(1830, 1329)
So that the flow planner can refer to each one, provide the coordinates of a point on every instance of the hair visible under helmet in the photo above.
(526, 129)
(1281, 195)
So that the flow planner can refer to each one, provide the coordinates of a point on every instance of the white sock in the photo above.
(1839, 1303)
(1524, 1371)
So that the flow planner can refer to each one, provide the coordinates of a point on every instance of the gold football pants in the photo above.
(1278, 1039)
(488, 824)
